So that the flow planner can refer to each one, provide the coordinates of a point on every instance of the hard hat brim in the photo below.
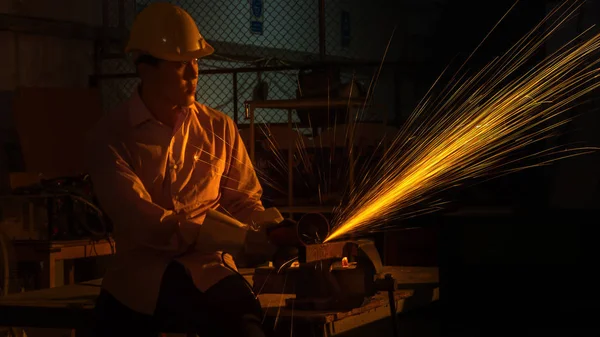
(197, 54)
(207, 50)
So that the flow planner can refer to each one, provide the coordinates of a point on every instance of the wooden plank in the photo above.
(90, 249)
(339, 323)
(55, 243)
(413, 275)
(82, 294)
(49, 27)
(381, 299)
(47, 275)
(34, 250)
(69, 272)
(406, 277)
(306, 103)
(350, 322)
(248, 274)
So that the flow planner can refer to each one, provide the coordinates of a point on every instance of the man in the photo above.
(159, 163)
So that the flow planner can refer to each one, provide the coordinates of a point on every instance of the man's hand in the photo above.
(257, 248)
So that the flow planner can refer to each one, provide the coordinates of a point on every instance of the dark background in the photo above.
(531, 272)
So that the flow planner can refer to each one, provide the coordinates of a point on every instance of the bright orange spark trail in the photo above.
(472, 128)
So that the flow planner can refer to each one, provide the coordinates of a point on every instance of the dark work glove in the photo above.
(283, 234)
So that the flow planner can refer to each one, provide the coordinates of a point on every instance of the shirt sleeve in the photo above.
(241, 191)
(123, 197)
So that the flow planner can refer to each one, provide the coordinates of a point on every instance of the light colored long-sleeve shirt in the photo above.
(156, 183)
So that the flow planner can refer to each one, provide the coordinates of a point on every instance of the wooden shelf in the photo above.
(303, 103)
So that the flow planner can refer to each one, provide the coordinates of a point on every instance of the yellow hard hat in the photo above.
(167, 32)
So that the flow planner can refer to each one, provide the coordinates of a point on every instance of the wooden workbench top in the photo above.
(66, 306)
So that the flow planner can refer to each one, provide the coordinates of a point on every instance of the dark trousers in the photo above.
(228, 308)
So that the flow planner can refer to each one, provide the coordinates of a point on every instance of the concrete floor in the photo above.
(435, 321)
(422, 323)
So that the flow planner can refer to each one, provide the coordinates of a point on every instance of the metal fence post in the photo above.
(322, 51)
(235, 98)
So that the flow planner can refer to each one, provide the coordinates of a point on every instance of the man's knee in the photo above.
(239, 311)
(112, 318)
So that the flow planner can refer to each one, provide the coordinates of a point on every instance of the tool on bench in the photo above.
(339, 275)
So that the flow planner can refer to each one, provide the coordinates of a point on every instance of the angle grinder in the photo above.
(289, 236)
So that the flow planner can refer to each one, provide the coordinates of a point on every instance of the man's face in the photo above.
(175, 82)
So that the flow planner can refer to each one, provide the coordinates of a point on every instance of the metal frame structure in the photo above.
(289, 105)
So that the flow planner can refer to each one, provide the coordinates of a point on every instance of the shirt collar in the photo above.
(138, 112)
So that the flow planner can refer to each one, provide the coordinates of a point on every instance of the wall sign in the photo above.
(345, 28)
(256, 16)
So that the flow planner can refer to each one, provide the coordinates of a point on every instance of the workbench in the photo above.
(70, 307)
(48, 253)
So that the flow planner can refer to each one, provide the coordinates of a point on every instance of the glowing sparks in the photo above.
(474, 125)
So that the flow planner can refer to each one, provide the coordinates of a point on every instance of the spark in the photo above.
(290, 261)
(475, 125)
(265, 283)
(265, 314)
(280, 301)
(292, 316)
(263, 176)
(279, 164)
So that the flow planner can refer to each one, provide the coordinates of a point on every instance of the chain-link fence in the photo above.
(291, 30)
(277, 37)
